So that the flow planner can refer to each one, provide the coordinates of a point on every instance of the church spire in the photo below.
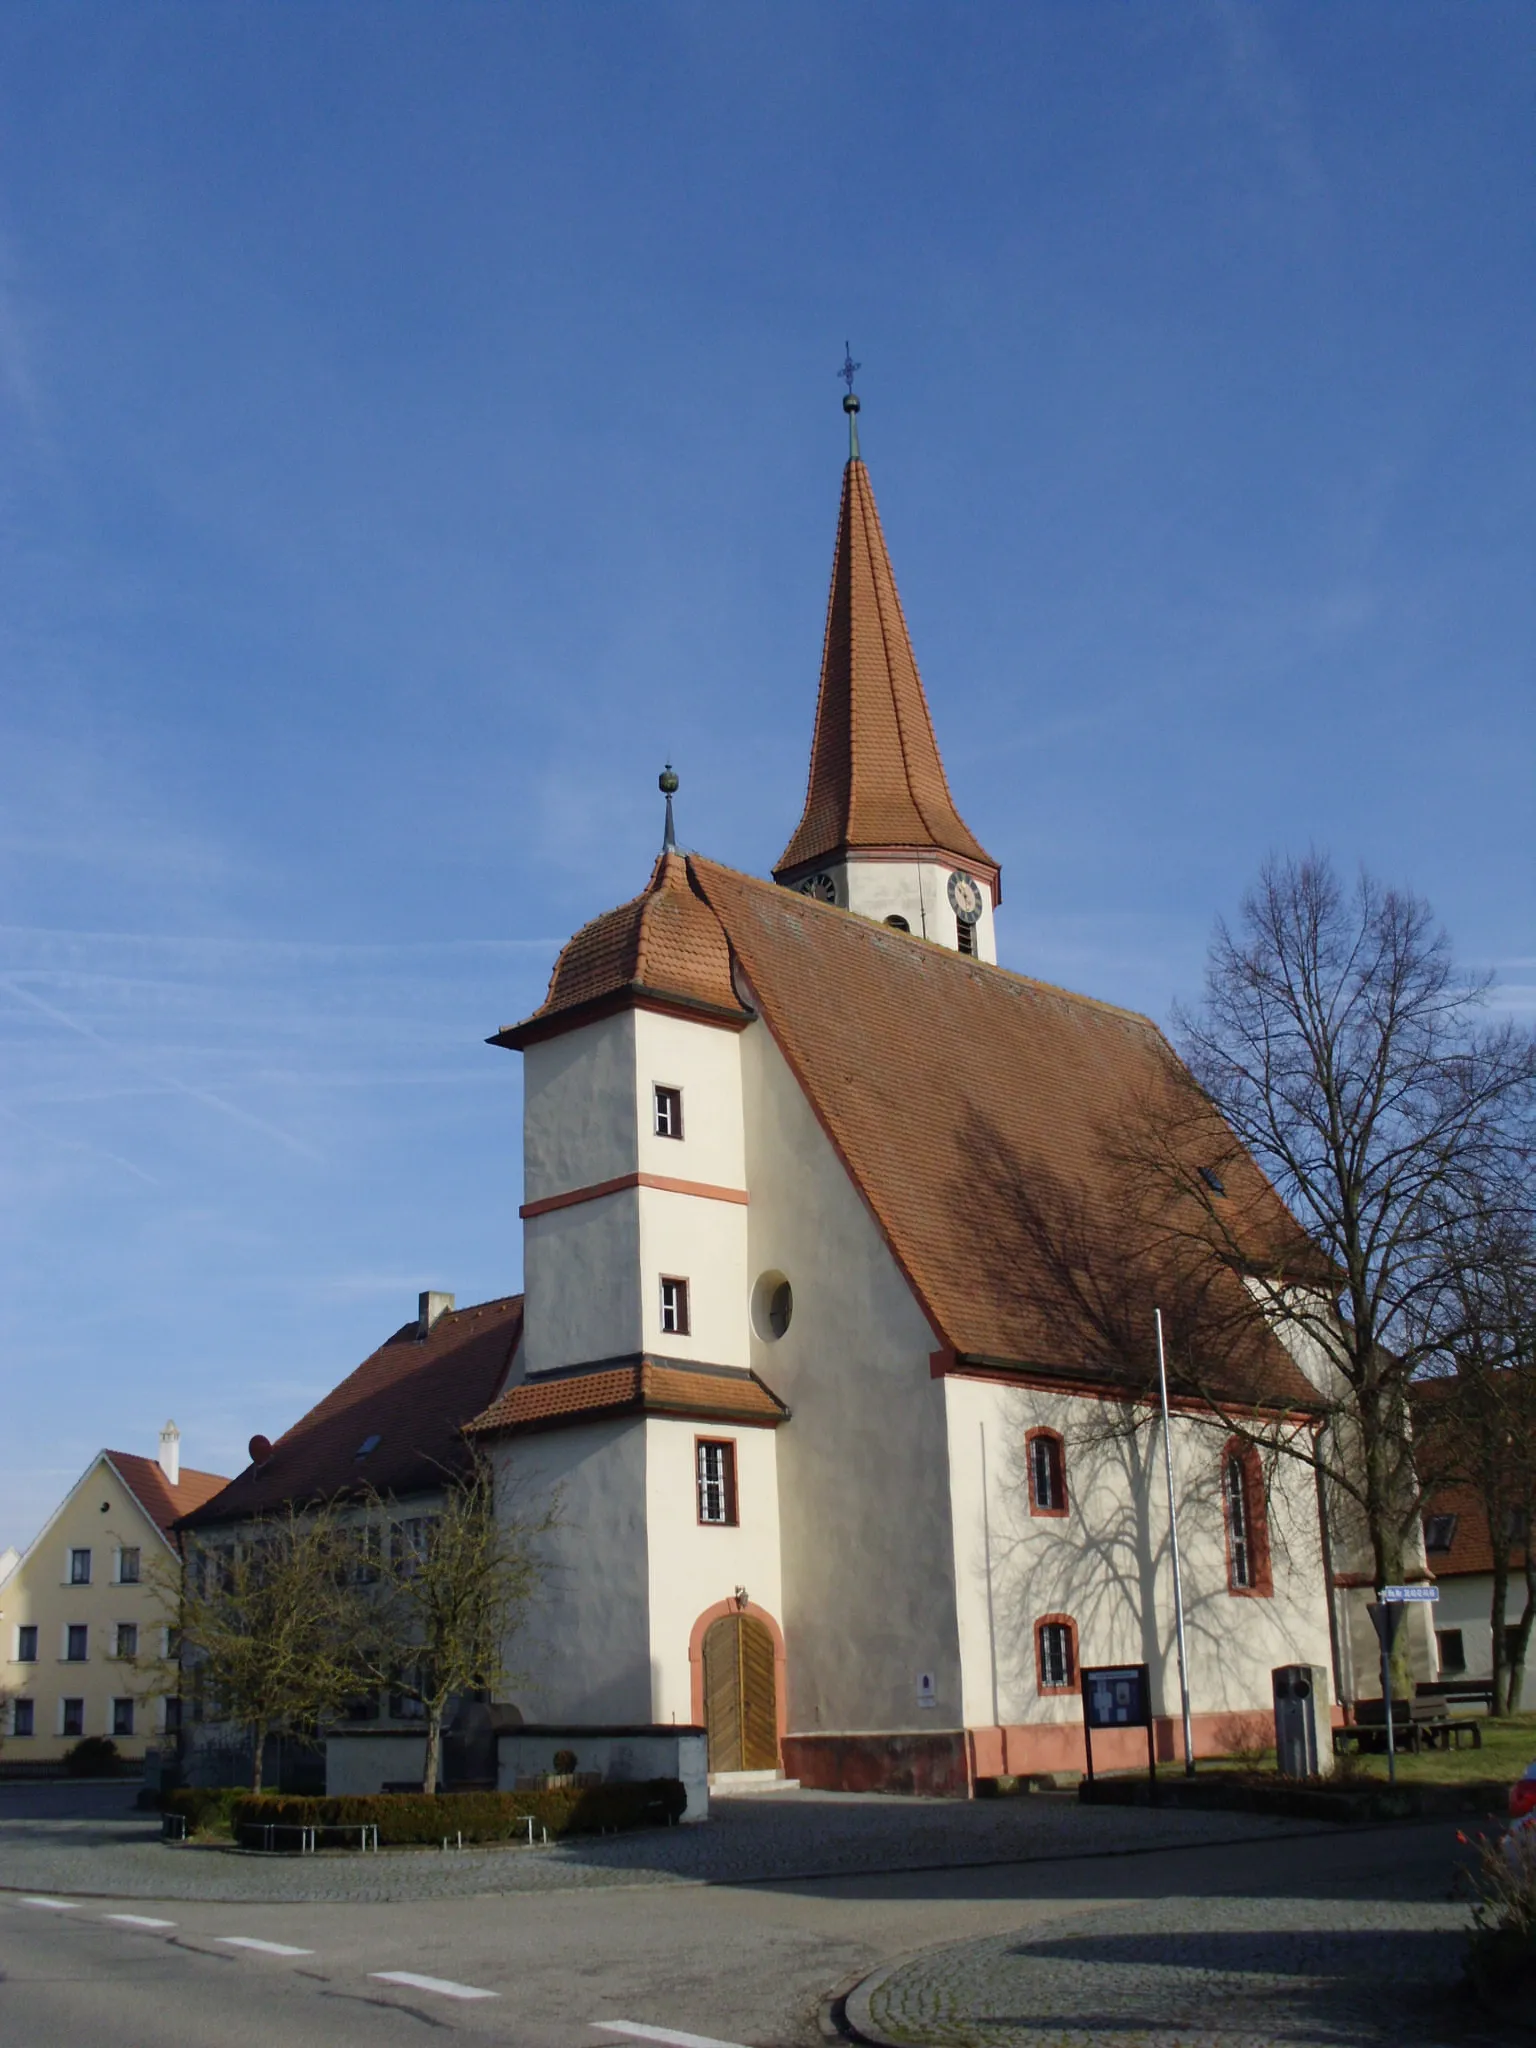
(877, 785)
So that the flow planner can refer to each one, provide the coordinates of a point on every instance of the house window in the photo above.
(674, 1307)
(122, 1717)
(1047, 1473)
(1056, 1653)
(1242, 1499)
(22, 1722)
(410, 1539)
(26, 1643)
(79, 1567)
(669, 1112)
(1439, 1533)
(72, 1717)
(1453, 1654)
(74, 1645)
(171, 1715)
(965, 935)
(363, 1706)
(1514, 1525)
(717, 1481)
(127, 1639)
(128, 1567)
(898, 924)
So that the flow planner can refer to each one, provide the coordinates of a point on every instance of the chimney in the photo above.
(428, 1308)
(170, 1454)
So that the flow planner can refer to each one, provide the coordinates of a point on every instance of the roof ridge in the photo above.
(871, 512)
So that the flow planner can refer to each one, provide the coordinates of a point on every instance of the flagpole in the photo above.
(1173, 1534)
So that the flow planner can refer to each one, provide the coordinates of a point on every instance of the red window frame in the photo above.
(732, 1516)
(1076, 1684)
(1053, 1436)
(1261, 1578)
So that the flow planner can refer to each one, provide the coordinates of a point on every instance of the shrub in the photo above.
(564, 1763)
(205, 1808)
(417, 1818)
(1501, 1955)
(94, 1756)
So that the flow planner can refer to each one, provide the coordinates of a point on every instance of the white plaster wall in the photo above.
(581, 1301)
(863, 1468)
(917, 890)
(584, 1653)
(579, 1108)
(693, 1567)
(1466, 1602)
(705, 1063)
(704, 1242)
(1107, 1563)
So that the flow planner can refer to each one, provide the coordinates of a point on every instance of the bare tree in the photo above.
(451, 1590)
(1337, 1047)
(264, 1624)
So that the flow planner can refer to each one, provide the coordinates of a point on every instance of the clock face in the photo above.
(822, 887)
(965, 898)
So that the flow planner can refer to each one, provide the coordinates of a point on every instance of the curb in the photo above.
(858, 2025)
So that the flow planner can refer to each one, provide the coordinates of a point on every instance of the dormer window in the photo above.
(668, 1105)
(898, 923)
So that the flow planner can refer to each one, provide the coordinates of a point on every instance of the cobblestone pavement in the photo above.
(1190, 1973)
(56, 1838)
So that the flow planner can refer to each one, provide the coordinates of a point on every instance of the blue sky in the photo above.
(418, 421)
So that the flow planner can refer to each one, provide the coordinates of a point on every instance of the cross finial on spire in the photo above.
(666, 782)
(848, 372)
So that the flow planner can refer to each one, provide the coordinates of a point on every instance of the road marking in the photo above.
(58, 1905)
(266, 1948)
(137, 1920)
(637, 2032)
(443, 1985)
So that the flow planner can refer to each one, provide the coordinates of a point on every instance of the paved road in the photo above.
(741, 1963)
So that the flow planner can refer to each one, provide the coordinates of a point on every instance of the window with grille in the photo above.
(669, 1112)
(127, 1639)
(1439, 1532)
(26, 1643)
(74, 1642)
(717, 1481)
(1047, 1473)
(965, 935)
(72, 1715)
(122, 1717)
(1239, 1526)
(1246, 1517)
(1056, 1654)
(22, 1722)
(674, 1307)
(79, 1567)
(128, 1567)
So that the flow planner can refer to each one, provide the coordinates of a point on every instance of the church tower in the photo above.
(880, 834)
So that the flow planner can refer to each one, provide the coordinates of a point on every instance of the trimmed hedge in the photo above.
(94, 1756)
(416, 1818)
(205, 1808)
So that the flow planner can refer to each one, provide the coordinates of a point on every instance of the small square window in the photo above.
(669, 1112)
(1439, 1533)
(127, 1639)
(674, 1307)
(79, 1567)
(73, 1717)
(1453, 1654)
(75, 1638)
(22, 1721)
(128, 1567)
(717, 1482)
(26, 1643)
(122, 1717)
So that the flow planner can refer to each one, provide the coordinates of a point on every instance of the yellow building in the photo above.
(79, 1606)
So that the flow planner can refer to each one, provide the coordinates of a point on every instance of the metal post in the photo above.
(1173, 1535)
(1386, 1693)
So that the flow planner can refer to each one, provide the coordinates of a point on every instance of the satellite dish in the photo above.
(260, 1448)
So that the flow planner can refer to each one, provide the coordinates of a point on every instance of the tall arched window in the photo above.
(1243, 1505)
(1047, 1472)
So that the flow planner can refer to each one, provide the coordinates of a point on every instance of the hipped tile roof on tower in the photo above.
(664, 946)
(641, 1386)
(877, 782)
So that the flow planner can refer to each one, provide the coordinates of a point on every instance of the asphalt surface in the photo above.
(759, 1962)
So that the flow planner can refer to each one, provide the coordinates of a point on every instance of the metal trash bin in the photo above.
(1303, 1725)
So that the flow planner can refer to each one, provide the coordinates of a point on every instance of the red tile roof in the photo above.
(1471, 1548)
(876, 779)
(973, 1110)
(642, 1386)
(665, 946)
(414, 1394)
(162, 1502)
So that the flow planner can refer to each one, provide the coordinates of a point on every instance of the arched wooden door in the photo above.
(741, 1716)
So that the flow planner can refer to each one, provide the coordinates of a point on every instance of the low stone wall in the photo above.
(617, 1755)
(932, 1765)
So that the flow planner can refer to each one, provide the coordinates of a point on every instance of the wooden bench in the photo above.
(1416, 1725)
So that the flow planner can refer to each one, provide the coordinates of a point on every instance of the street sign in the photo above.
(1397, 1595)
(1386, 1621)
(1117, 1696)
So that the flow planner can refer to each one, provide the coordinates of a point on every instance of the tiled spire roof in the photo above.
(666, 946)
(876, 783)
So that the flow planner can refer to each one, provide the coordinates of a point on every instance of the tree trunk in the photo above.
(1522, 1643)
(258, 1746)
(1501, 1703)
(1384, 1520)
(434, 1749)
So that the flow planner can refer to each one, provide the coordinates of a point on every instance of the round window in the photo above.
(773, 1304)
